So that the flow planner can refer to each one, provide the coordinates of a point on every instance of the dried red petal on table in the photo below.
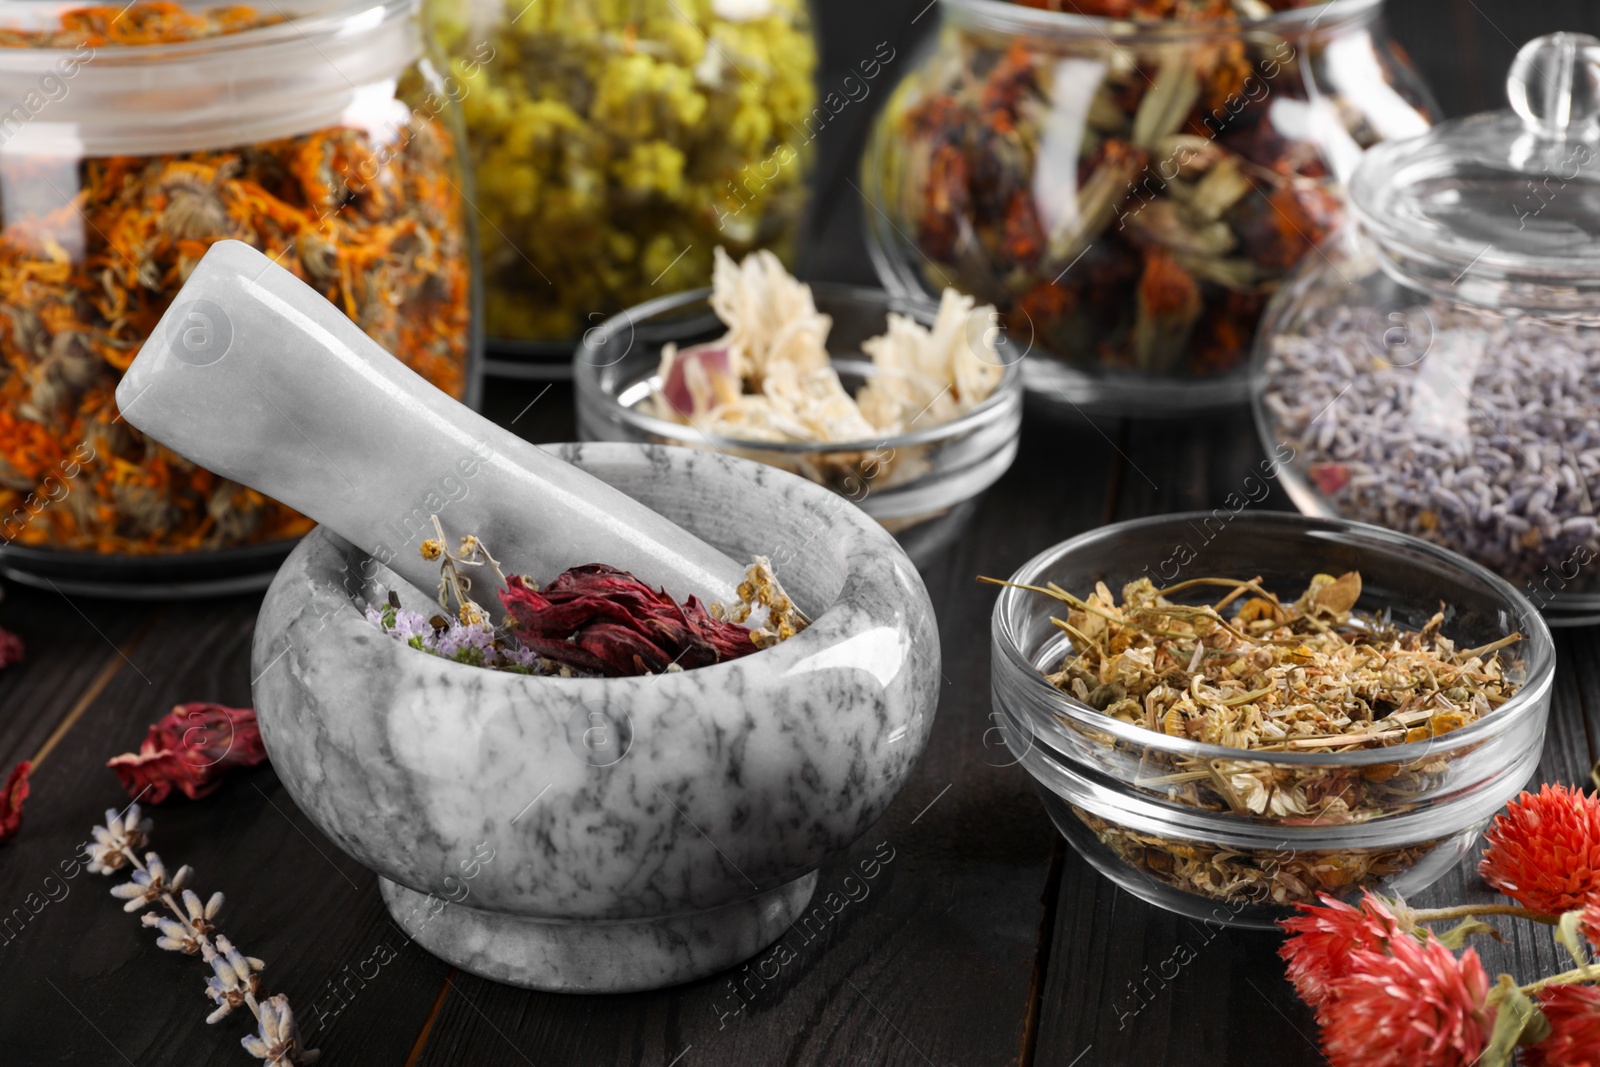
(11, 648)
(605, 621)
(1544, 852)
(16, 791)
(189, 750)
(1573, 1012)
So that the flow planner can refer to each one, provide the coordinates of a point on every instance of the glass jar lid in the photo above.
(1500, 209)
(94, 86)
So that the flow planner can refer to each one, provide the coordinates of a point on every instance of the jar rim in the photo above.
(346, 18)
(1524, 702)
(1006, 17)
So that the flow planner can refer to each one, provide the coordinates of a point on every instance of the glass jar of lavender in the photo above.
(1434, 371)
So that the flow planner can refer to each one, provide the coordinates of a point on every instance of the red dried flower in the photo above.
(11, 648)
(1324, 937)
(1573, 1012)
(189, 750)
(1418, 1004)
(605, 621)
(11, 798)
(1544, 852)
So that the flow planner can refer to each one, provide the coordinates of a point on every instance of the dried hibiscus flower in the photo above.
(11, 798)
(190, 749)
(591, 620)
(605, 621)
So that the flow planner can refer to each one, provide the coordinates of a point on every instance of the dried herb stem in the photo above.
(1576, 976)
(1493, 646)
(1239, 588)
(1470, 911)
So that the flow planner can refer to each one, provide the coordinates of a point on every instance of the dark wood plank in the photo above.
(73, 645)
(293, 899)
(936, 965)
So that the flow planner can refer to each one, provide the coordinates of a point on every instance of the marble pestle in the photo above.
(255, 376)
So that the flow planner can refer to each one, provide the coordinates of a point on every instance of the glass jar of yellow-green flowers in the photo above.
(618, 143)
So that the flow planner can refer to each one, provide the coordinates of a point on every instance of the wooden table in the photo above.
(985, 941)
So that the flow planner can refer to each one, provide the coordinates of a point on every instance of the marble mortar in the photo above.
(605, 835)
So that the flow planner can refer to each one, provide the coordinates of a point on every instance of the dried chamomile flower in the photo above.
(760, 589)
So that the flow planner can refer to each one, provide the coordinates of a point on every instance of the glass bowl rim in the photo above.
(347, 16)
(1007, 17)
(1527, 700)
(586, 376)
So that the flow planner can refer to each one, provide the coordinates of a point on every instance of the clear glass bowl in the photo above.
(318, 131)
(1128, 194)
(1121, 794)
(909, 482)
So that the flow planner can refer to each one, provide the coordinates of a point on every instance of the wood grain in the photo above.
(71, 644)
(84, 982)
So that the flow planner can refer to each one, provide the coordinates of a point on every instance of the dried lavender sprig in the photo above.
(236, 978)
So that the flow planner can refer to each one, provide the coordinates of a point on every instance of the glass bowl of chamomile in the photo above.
(1228, 717)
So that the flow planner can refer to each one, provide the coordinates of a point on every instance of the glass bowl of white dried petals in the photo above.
(1227, 717)
(908, 410)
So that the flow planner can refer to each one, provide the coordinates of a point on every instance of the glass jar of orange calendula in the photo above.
(132, 139)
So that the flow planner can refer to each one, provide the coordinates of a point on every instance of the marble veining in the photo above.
(643, 831)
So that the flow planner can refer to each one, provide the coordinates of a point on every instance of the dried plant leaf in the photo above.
(1339, 596)
(1517, 1020)
(1457, 936)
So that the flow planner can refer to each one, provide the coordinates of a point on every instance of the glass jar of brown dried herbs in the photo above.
(1129, 191)
(1435, 371)
(131, 139)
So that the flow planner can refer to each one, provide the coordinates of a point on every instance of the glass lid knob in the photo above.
(1554, 85)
